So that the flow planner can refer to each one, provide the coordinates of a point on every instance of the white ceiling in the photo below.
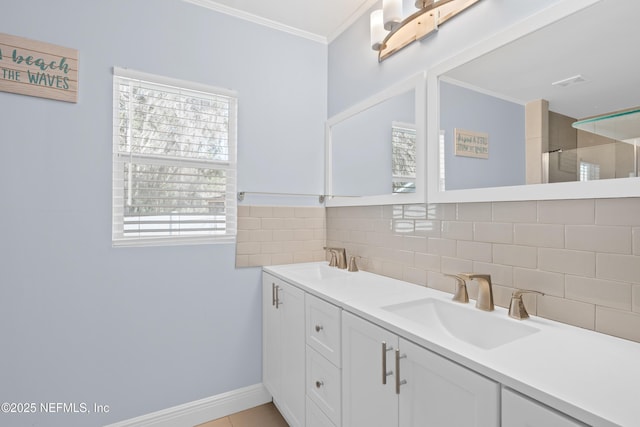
(321, 20)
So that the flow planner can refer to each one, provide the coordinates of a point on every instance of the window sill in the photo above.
(172, 241)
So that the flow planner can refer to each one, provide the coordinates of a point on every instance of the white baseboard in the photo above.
(203, 410)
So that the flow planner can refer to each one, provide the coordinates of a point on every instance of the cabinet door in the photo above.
(520, 411)
(292, 355)
(439, 392)
(271, 336)
(284, 347)
(366, 401)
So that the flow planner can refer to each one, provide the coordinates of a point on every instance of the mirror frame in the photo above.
(418, 83)
(608, 188)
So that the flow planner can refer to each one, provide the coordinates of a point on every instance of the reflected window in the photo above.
(589, 171)
(403, 157)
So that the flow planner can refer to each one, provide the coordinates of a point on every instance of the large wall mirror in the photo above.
(549, 109)
(375, 151)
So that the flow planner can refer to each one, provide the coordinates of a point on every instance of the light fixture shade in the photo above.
(377, 29)
(392, 13)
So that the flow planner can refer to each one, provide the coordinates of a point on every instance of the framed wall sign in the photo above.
(471, 144)
(35, 68)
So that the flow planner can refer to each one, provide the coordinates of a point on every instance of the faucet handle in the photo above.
(352, 264)
(517, 309)
(461, 294)
(334, 258)
(340, 255)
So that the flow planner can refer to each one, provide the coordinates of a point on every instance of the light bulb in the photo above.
(377, 29)
(392, 13)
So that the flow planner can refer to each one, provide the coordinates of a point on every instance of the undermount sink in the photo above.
(465, 323)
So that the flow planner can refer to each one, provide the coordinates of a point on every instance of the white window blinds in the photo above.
(174, 161)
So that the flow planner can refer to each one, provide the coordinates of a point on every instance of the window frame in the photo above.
(119, 159)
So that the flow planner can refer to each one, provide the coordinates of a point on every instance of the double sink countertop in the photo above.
(590, 376)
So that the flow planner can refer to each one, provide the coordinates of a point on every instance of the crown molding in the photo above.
(364, 7)
(210, 4)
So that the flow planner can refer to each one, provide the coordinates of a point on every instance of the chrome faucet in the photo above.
(485, 290)
(341, 257)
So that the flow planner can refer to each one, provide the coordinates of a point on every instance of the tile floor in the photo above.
(261, 416)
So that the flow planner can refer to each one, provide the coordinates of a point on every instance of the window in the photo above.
(174, 161)
(403, 154)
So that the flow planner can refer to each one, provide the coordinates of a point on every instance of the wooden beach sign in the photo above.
(35, 68)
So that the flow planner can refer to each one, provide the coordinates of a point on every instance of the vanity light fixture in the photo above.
(431, 14)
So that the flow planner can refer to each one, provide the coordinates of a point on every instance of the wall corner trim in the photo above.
(203, 410)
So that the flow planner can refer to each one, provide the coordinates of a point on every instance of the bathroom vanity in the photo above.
(355, 349)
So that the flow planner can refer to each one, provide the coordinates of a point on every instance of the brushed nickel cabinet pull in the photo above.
(278, 302)
(398, 381)
(273, 294)
(385, 373)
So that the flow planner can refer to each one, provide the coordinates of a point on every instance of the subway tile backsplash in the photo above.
(270, 235)
(583, 254)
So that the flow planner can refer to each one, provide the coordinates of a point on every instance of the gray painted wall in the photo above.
(138, 329)
(503, 121)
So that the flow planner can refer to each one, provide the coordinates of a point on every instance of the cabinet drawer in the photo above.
(520, 411)
(323, 328)
(324, 385)
(315, 417)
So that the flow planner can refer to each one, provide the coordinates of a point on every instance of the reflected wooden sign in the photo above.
(471, 144)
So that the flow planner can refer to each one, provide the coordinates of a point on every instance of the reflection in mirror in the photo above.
(463, 109)
(376, 149)
(542, 101)
(368, 150)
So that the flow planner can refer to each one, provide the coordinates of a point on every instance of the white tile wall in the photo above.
(583, 254)
(598, 238)
(495, 232)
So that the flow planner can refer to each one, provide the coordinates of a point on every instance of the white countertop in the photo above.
(592, 377)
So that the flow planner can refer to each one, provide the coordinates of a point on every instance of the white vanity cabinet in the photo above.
(520, 411)
(283, 347)
(389, 381)
(334, 355)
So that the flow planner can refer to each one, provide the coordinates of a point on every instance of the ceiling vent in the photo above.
(569, 81)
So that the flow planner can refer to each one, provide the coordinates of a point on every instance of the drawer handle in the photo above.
(385, 373)
(319, 328)
(319, 383)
